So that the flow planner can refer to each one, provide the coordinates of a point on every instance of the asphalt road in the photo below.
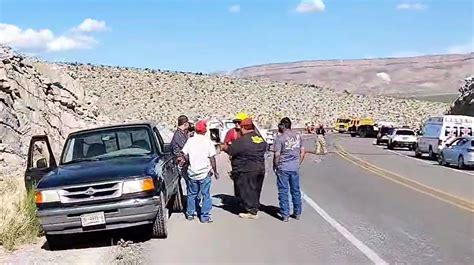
(351, 216)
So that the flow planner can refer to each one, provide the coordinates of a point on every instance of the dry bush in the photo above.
(18, 222)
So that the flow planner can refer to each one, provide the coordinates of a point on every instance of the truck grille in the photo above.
(91, 192)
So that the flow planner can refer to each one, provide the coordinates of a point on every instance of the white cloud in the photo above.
(92, 25)
(311, 6)
(77, 42)
(234, 9)
(384, 76)
(44, 40)
(462, 48)
(411, 6)
(28, 39)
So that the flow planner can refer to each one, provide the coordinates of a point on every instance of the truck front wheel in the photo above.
(159, 229)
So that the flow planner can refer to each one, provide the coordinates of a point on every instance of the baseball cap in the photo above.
(201, 126)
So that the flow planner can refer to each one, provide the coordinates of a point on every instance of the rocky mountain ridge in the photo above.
(405, 77)
(38, 97)
(464, 105)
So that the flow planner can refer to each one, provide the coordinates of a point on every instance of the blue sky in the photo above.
(222, 35)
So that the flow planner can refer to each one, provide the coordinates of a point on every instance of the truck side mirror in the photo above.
(41, 163)
(167, 148)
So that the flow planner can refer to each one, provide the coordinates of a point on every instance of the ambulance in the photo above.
(439, 130)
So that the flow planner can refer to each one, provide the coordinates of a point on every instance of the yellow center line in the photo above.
(409, 183)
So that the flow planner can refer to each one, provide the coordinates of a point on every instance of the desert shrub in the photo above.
(18, 222)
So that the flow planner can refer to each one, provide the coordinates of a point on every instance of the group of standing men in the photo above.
(246, 149)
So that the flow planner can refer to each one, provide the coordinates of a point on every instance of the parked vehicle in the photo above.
(342, 125)
(438, 130)
(384, 132)
(401, 137)
(363, 127)
(107, 178)
(460, 152)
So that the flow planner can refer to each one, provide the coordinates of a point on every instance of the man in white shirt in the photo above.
(200, 154)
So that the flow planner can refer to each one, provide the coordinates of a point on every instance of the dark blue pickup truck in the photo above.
(107, 178)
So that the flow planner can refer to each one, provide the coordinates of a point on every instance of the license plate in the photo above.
(405, 138)
(91, 219)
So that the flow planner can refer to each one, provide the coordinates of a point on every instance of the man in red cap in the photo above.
(248, 167)
(200, 154)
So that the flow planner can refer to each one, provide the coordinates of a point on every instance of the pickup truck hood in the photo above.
(98, 171)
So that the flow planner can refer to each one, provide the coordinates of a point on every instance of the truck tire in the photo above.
(461, 164)
(159, 227)
(353, 134)
(390, 145)
(178, 200)
(363, 132)
(418, 153)
(432, 155)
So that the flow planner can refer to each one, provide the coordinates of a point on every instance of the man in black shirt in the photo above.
(248, 167)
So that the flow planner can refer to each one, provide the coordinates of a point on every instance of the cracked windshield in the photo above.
(237, 132)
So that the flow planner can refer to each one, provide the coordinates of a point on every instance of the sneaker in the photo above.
(190, 217)
(207, 221)
(285, 219)
(248, 216)
(296, 216)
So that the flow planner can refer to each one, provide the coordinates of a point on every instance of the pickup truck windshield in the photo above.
(405, 132)
(106, 144)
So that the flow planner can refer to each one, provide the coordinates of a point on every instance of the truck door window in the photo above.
(41, 155)
(160, 140)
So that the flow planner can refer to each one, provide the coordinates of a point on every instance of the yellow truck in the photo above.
(365, 127)
(342, 125)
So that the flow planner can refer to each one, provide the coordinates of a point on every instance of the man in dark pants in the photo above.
(289, 153)
(248, 167)
(180, 138)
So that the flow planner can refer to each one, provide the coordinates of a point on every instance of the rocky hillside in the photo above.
(464, 105)
(407, 77)
(124, 93)
(44, 98)
(36, 98)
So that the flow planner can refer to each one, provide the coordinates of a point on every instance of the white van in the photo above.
(438, 130)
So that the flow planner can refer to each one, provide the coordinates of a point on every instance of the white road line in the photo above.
(368, 252)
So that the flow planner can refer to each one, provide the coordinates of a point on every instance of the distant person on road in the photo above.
(248, 167)
(200, 153)
(321, 140)
(289, 154)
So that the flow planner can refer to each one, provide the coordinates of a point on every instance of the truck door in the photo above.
(170, 167)
(40, 160)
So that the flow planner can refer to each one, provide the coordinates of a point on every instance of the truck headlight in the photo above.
(46, 196)
(138, 185)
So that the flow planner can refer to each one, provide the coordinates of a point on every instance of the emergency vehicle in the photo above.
(439, 130)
